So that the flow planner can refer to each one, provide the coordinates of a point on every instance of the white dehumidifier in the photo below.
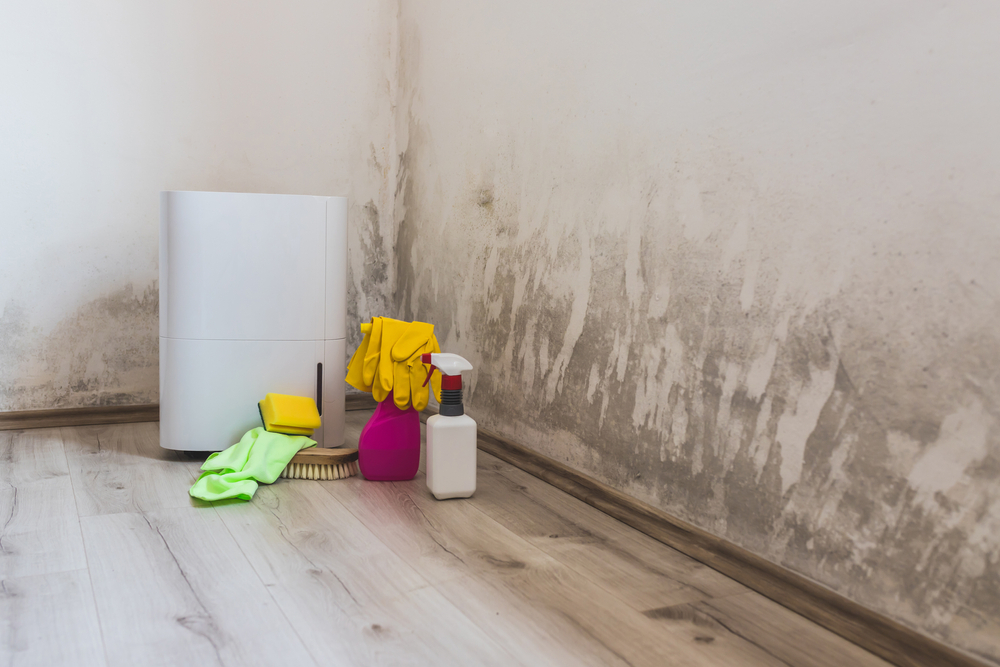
(253, 291)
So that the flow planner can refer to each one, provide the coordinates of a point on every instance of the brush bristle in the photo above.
(320, 472)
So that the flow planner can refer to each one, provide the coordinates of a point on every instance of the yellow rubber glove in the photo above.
(401, 385)
(392, 331)
(412, 342)
(419, 393)
(417, 340)
(363, 369)
(389, 360)
(356, 367)
(413, 339)
(372, 352)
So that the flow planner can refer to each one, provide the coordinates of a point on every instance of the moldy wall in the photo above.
(739, 261)
(108, 102)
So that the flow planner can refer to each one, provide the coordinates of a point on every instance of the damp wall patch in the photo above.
(104, 353)
(296, 98)
(719, 272)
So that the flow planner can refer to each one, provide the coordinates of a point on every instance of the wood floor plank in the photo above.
(476, 581)
(39, 527)
(354, 600)
(641, 571)
(783, 633)
(49, 619)
(354, 572)
(878, 633)
(549, 611)
(638, 570)
(122, 468)
(173, 588)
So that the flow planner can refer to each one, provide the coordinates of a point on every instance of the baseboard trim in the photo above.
(882, 636)
(97, 414)
(359, 402)
(117, 414)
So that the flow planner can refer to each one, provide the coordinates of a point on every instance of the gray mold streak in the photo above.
(106, 353)
(369, 278)
(806, 433)
(370, 268)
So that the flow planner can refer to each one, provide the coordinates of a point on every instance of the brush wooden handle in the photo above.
(325, 457)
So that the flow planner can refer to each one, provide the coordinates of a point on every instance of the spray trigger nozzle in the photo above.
(448, 364)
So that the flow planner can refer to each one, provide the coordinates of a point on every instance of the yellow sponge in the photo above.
(292, 415)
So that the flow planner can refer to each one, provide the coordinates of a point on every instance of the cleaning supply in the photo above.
(259, 456)
(322, 464)
(388, 363)
(388, 360)
(389, 446)
(291, 415)
(451, 434)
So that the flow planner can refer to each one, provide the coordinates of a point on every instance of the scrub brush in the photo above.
(322, 464)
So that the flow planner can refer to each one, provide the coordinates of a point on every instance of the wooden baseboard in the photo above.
(97, 414)
(359, 402)
(117, 414)
(882, 636)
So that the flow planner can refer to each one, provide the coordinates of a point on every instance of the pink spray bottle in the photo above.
(389, 446)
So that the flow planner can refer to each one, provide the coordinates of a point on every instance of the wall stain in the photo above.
(790, 417)
(370, 267)
(104, 353)
(369, 277)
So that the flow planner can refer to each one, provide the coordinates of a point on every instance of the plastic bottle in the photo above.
(389, 446)
(451, 434)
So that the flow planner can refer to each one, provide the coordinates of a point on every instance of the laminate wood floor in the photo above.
(106, 560)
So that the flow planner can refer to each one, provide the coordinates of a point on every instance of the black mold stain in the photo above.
(851, 519)
(117, 333)
(372, 268)
(376, 258)
(405, 238)
(375, 275)
(17, 339)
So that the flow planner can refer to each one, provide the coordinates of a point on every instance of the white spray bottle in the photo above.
(451, 434)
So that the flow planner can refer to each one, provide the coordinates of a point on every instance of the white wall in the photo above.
(740, 260)
(107, 102)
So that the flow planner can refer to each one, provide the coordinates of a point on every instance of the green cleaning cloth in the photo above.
(259, 456)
